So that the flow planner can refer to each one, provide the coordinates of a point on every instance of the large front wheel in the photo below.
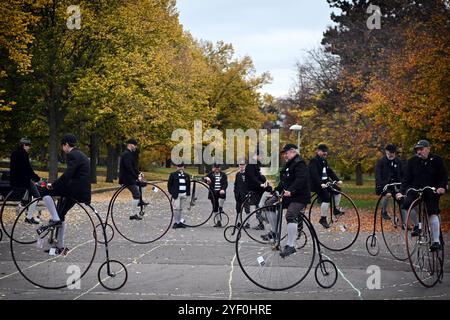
(259, 256)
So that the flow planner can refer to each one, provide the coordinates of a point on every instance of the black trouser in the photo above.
(430, 199)
(26, 193)
(135, 192)
(215, 200)
(65, 203)
(240, 198)
(324, 195)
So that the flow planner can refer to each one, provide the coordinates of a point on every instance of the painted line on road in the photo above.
(230, 296)
(39, 263)
(129, 264)
(348, 281)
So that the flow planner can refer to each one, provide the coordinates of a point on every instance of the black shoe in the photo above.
(259, 227)
(415, 232)
(142, 203)
(436, 246)
(31, 221)
(218, 224)
(324, 223)
(247, 226)
(270, 236)
(135, 217)
(51, 224)
(179, 225)
(385, 216)
(287, 251)
(59, 251)
(338, 212)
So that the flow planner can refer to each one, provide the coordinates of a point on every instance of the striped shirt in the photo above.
(181, 182)
(217, 177)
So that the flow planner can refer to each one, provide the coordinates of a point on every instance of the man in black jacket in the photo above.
(320, 173)
(73, 184)
(388, 170)
(294, 181)
(256, 184)
(130, 176)
(23, 178)
(426, 169)
(179, 186)
(241, 190)
(218, 183)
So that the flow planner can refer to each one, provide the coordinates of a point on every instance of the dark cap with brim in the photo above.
(322, 147)
(288, 147)
(422, 144)
(69, 138)
(132, 141)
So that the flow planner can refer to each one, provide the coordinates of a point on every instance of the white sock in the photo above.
(221, 202)
(31, 209)
(272, 215)
(435, 227)
(177, 214)
(50, 204)
(324, 209)
(60, 235)
(292, 233)
(134, 207)
(337, 200)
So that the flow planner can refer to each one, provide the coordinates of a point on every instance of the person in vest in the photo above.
(218, 183)
(320, 173)
(179, 186)
(23, 178)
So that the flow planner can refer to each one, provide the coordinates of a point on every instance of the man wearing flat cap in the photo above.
(179, 186)
(426, 169)
(218, 184)
(320, 173)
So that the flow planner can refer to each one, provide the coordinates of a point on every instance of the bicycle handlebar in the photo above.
(390, 185)
(421, 190)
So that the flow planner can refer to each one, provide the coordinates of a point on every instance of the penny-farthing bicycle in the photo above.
(344, 228)
(427, 265)
(154, 209)
(393, 230)
(230, 232)
(33, 249)
(260, 260)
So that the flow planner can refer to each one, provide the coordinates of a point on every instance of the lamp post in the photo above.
(298, 128)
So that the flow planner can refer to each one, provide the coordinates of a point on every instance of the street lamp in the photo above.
(298, 128)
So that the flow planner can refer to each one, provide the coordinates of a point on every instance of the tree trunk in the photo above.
(52, 140)
(359, 175)
(111, 163)
(93, 153)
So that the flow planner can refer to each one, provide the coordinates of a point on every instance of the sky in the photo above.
(274, 33)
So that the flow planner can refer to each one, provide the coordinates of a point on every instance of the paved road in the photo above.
(197, 263)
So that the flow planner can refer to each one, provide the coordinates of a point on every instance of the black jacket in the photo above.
(173, 184)
(21, 172)
(223, 182)
(240, 185)
(316, 166)
(387, 171)
(128, 169)
(76, 178)
(294, 177)
(254, 178)
(421, 173)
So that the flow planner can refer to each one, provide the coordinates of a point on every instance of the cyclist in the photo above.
(256, 184)
(130, 176)
(426, 169)
(294, 181)
(73, 184)
(218, 183)
(179, 186)
(320, 173)
(240, 190)
(23, 178)
(388, 170)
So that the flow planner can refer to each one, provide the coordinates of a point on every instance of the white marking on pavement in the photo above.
(38, 263)
(348, 281)
(230, 296)
(133, 262)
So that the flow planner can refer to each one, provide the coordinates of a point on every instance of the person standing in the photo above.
(179, 187)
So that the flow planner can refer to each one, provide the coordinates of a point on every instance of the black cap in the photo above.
(132, 141)
(288, 147)
(391, 148)
(216, 165)
(422, 144)
(69, 138)
(181, 164)
(322, 147)
(25, 141)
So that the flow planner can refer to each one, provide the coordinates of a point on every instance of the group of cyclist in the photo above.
(297, 181)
